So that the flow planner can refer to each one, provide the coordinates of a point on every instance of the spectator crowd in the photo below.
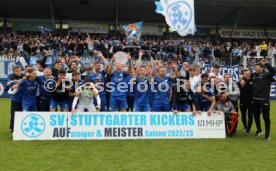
(86, 74)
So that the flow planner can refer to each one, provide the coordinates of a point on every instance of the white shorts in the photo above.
(89, 108)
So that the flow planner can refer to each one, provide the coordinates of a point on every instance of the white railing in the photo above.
(251, 60)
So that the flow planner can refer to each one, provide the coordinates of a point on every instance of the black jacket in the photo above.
(262, 83)
(181, 96)
(246, 92)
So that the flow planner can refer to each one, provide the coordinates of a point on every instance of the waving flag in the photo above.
(44, 30)
(75, 31)
(133, 31)
(179, 15)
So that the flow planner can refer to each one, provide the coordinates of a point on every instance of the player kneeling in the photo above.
(86, 94)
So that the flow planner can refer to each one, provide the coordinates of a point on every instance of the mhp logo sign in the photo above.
(33, 125)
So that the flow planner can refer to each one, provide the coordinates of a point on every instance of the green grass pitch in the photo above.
(239, 153)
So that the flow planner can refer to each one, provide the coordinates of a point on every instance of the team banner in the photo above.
(179, 15)
(6, 68)
(44, 30)
(231, 119)
(273, 91)
(116, 125)
(133, 31)
(233, 70)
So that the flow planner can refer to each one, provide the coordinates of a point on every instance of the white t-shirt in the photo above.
(273, 51)
(194, 80)
(217, 76)
(68, 76)
(39, 73)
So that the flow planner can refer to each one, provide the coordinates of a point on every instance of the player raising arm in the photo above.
(85, 96)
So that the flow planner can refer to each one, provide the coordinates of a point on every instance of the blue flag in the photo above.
(133, 31)
(179, 15)
(44, 30)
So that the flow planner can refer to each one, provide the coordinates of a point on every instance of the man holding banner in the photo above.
(231, 117)
(133, 31)
(204, 97)
(233, 93)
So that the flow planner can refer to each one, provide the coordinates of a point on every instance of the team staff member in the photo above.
(246, 86)
(225, 106)
(261, 92)
(233, 93)
(16, 99)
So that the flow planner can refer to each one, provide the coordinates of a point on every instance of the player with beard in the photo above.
(261, 93)
(162, 91)
(225, 106)
(117, 99)
(98, 78)
(85, 97)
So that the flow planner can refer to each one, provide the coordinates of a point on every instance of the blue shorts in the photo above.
(205, 106)
(103, 102)
(201, 105)
(63, 105)
(117, 103)
(144, 107)
(69, 102)
(183, 107)
(28, 106)
(160, 105)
